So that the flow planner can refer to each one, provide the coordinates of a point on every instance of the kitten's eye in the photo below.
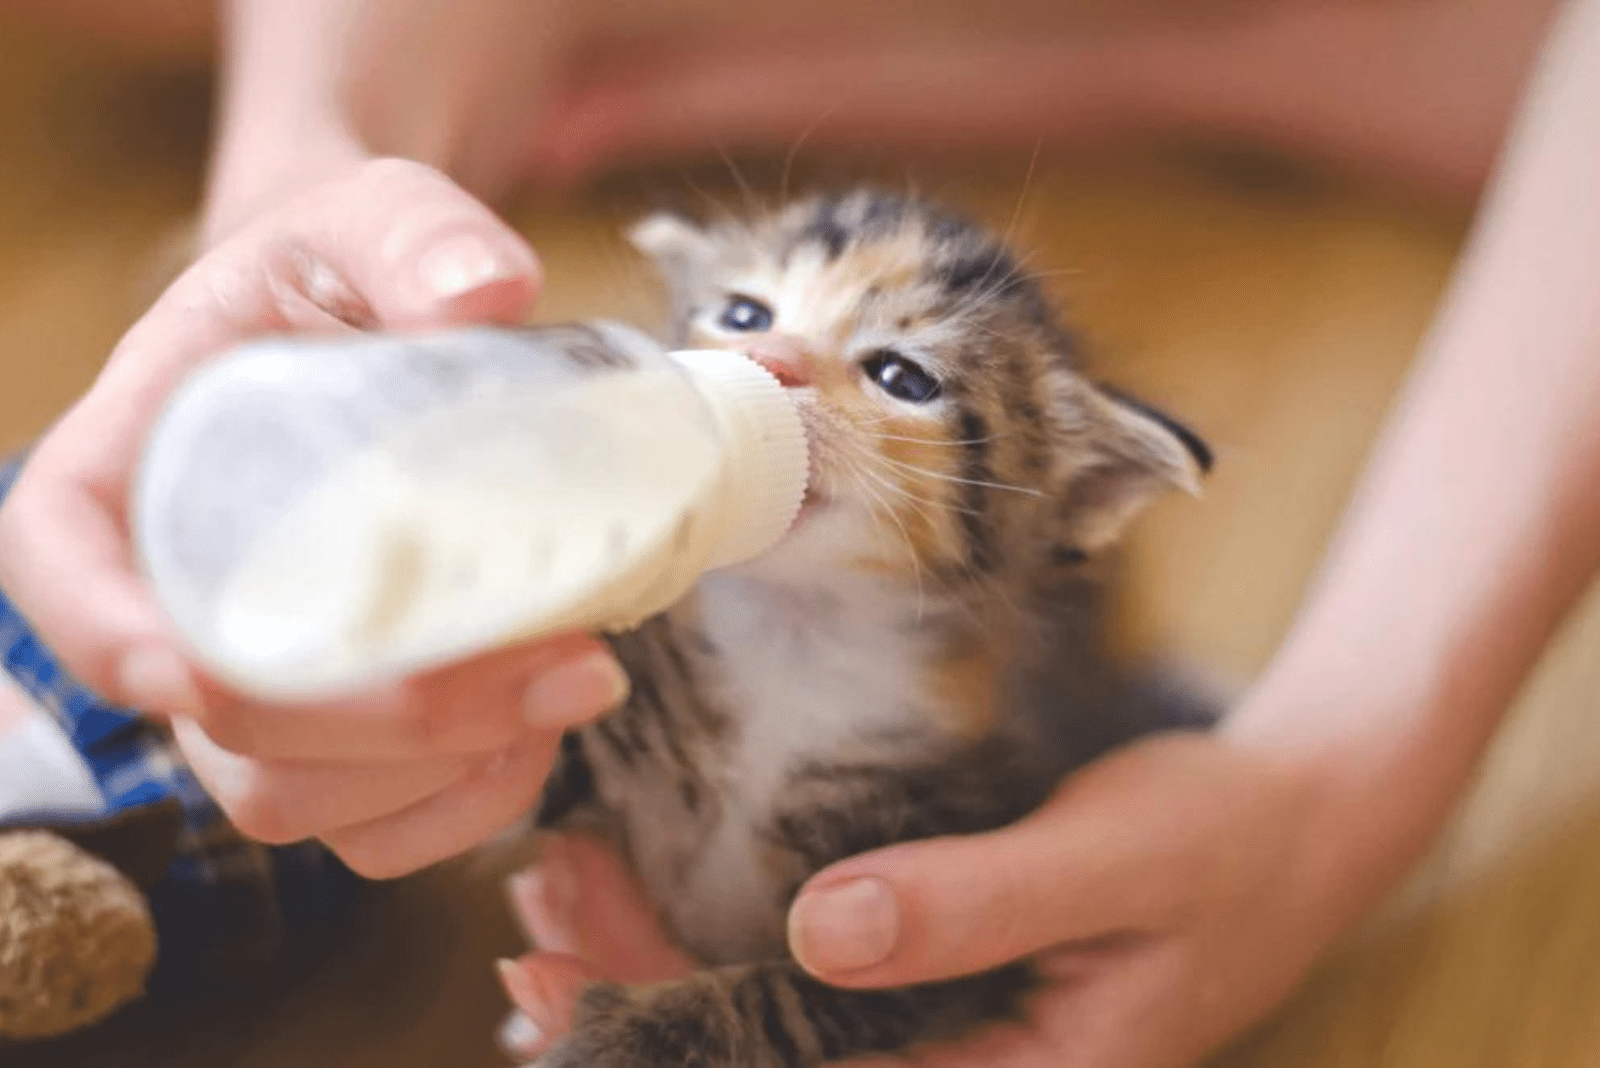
(900, 377)
(746, 315)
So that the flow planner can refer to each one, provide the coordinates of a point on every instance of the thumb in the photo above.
(398, 245)
(425, 253)
(1101, 858)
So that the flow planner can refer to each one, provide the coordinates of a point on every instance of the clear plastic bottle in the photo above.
(316, 516)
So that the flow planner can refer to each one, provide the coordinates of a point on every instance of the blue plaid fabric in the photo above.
(227, 906)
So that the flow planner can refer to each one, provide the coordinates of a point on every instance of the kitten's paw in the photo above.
(675, 1024)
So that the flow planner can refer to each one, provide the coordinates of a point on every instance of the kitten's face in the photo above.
(951, 438)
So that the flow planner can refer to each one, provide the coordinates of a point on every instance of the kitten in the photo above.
(920, 656)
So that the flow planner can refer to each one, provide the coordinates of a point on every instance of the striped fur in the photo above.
(921, 656)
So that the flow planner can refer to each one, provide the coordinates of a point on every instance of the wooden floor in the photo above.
(1275, 317)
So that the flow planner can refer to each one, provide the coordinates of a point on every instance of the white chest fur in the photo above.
(806, 676)
(810, 674)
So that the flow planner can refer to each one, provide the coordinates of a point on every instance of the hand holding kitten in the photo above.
(1172, 893)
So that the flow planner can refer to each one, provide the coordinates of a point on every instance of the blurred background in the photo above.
(1272, 309)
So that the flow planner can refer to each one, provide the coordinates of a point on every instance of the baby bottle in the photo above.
(319, 515)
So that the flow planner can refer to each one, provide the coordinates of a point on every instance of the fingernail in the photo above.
(844, 928)
(518, 984)
(587, 686)
(462, 264)
(510, 975)
(519, 1036)
(155, 680)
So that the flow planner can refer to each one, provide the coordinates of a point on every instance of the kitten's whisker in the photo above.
(903, 493)
(753, 203)
(967, 319)
(911, 549)
(719, 210)
(874, 421)
(917, 503)
(951, 442)
(1022, 274)
(990, 287)
(1057, 272)
(886, 479)
(961, 562)
(1006, 486)
(994, 287)
(966, 312)
(794, 149)
(1022, 197)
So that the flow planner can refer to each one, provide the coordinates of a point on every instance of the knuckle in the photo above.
(466, 723)
(989, 912)
(95, 660)
(1009, 920)
(456, 719)
(418, 723)
(259, 817)
(371, 855)
(227, 727)
(504, 804)
(396, 171)
(254, 806)
(301, 273)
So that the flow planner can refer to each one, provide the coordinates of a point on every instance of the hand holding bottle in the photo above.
(396, 777)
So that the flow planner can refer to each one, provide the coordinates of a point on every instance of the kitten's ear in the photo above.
(673, 241)
(1139, 455)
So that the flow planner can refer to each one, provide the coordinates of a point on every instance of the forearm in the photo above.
(1478, 526)
(311, 87)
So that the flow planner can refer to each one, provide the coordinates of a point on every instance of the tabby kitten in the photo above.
(920, 656)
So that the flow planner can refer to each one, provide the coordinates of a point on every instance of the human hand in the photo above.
(1171, 894)
(395, 778)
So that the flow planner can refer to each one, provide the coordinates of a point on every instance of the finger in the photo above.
(1097, 1019)
(519, 1037)
(1105, 856)
(1005, 1045)
(480, 706)
(1105, 1021)
(394, 245)
(462, 816)
(64, 562)
(580, 899)
(410, 244)
(545, 988)
(286, 801)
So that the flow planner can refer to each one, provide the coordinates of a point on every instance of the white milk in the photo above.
(497, 499)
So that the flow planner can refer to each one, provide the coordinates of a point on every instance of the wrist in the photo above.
(260, 165)
(314, 88)
(1371, 800)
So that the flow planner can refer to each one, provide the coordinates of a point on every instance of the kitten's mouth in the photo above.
(814, 499)
(813, 502)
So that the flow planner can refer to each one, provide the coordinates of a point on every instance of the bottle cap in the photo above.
(768, 464)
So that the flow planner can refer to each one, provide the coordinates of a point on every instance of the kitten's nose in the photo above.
(785, 355)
